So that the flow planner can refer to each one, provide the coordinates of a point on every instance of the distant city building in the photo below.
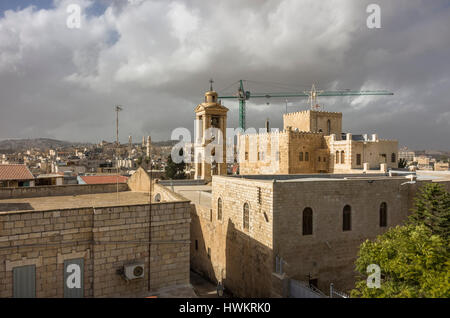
(441, 166)
(406, 155)
(13, 176)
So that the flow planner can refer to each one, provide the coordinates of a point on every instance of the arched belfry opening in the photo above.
(211, 125)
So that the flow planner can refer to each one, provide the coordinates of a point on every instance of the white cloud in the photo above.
(156, 56)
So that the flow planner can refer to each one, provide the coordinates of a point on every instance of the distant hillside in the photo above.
(40, 143)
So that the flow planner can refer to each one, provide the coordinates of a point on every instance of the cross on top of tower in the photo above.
(211, 85)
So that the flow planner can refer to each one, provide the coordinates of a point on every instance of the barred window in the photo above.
(383, 214)
(347, 218)
(307, 221)
(219, 209)
(246, 217)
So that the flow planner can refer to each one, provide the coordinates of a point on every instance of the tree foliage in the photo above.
(174, 170)
(413, 262)
(432, 209)
(414, 258)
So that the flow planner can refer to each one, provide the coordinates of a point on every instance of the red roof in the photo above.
(15, 172)
(103, 179)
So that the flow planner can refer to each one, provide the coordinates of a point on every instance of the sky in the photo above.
(155, 58)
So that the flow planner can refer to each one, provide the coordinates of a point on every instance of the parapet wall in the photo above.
(46, 191)
(105, 239)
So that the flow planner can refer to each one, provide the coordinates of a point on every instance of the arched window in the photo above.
(328, 127)
(246, 217)
(337, 156)
(158, 197)
(347, 218)
(342, 156)
(219, 209)
(393, 157)
(383, 214)
(307, 221)
(199, 165)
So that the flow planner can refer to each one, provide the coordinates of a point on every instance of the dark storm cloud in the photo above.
(155, 58)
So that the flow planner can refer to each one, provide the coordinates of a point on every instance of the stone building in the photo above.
(258, 234)
(16, 175)
(313, 142)
(102, 240)
(210, 115)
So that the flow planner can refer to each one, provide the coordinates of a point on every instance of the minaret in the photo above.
(210, 113)
(149, 145)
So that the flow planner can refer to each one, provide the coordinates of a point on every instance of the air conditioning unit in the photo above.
(134, 271)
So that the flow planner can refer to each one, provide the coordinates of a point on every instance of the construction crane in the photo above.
(313, 94)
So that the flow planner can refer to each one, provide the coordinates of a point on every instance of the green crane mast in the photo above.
(243, 95)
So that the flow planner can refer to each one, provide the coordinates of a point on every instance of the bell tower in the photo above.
(210, 132)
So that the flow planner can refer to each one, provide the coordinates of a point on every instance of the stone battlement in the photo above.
(304, 112)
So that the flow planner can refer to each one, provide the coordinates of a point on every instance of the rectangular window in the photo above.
(196, 245)
(306, 156)
(358, 159)
(246, 155)
(300, 156)
(24, 281)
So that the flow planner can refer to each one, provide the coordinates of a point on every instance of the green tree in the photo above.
(414, 258)
(432, 209)
(174, 170)
(413, 262)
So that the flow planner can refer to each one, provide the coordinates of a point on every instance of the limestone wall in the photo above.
(242, 258)
(44, 191)
(290, 144)
(329, 253)
(106, 238)
(314, 121)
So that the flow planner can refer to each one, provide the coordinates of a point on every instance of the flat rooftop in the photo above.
(314, 177)
(74, 201)
(433, 175)
(198, 194)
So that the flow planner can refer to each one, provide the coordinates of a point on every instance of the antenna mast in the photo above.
(118, 109)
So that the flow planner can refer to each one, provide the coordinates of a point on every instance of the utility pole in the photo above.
(118, 109)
